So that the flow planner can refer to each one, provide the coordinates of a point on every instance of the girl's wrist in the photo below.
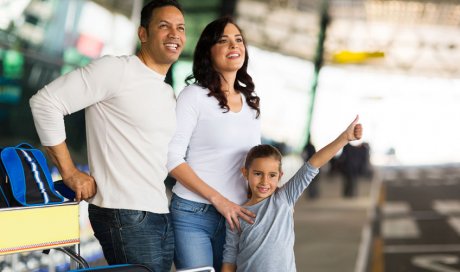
(343, 138)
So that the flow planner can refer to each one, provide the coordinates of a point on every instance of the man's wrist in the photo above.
(68, 173)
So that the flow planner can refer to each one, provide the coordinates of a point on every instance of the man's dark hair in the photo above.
(147, 10)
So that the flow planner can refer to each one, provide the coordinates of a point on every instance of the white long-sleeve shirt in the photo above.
(213, 142)
(130, 119)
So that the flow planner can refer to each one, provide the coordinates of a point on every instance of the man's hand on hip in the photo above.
(82, 184)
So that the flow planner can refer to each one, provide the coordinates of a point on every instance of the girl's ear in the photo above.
(280, 176)
(244, 171)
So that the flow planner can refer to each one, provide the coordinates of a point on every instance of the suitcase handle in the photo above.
(24, 145)
(64, 190)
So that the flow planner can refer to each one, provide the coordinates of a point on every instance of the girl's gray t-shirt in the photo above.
(268, 244)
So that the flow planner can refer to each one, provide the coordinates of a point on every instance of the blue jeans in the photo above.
(199, 230)
(134, 237)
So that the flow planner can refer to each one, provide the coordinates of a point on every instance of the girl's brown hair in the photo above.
(262, 151)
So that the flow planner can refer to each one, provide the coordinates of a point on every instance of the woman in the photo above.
(217, 123)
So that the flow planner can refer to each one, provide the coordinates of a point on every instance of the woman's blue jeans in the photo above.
(134, 237)
(199, 230)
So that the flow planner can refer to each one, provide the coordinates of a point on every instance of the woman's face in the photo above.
(229, 52)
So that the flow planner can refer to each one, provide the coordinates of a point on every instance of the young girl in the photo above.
(268, 244)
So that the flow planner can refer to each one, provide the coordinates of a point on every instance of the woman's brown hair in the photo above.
(205, 75)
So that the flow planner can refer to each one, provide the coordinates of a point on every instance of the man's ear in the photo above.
(142, 34)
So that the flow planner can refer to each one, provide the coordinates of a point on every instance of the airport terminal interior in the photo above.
(316, 64)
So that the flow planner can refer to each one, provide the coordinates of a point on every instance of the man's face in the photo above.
(165, 37)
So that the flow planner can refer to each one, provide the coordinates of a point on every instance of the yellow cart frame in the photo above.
(39, 228)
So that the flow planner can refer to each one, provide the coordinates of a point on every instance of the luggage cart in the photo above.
(42, 228)
(57, 227)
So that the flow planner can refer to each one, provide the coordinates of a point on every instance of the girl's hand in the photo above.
(354, 131)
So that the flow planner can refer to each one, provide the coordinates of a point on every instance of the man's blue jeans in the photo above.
(199, 230)
(134, 237)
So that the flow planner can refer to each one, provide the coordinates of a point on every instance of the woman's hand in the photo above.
(232, 211)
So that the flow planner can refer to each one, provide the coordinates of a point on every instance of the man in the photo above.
(130, 118)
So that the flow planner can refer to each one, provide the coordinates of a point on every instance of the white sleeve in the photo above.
(73, 92)
(187, 113)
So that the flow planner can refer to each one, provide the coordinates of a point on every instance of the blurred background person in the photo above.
(353, 162)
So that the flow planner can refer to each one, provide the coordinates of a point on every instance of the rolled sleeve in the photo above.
(48, 118)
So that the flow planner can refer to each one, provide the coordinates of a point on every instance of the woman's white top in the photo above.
(213, 142)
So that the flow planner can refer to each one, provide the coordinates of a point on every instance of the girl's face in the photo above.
(263, 176)
(229, 52)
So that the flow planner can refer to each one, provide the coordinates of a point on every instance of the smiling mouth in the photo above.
(233, 56)
(263, 189)
(172, 46)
